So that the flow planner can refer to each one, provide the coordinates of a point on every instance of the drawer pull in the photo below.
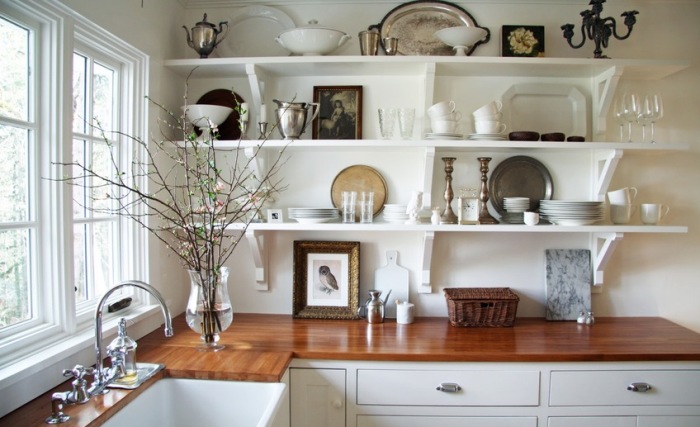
(639, 387)
(449, 387)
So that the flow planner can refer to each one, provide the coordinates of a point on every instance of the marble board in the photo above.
(567, 283)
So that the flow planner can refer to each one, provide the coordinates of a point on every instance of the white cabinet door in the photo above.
(429, 421)
(669, 421)
(592, 421)
(317, 397)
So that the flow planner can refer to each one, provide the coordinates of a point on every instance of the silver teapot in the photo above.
(204, 36)
(292, 117)
(373, 310)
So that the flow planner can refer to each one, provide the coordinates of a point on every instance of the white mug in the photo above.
(623, 196)
(621, 214)
(441, 109)
(490, 109)
(443, 126)
(531, 218)
(653, 213)
(489, 126)
(404, 312)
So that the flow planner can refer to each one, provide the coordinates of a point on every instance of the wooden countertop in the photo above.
(261, 346)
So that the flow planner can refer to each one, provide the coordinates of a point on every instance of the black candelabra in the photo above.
(599, 29)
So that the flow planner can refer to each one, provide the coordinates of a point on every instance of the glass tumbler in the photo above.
(406, 117)
(366, 206)
(349, 199)
(387, 117)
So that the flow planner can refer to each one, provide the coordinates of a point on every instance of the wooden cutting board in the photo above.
(394, 278)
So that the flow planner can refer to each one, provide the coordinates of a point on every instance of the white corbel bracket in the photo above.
(256, 242)
(605, 165)
(603, 246)
(424, 286)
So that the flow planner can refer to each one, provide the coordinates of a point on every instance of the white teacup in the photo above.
(653, 213)
(441, 109)
(623, 196)
(489, 126)
(531, 218)
(490, 109)
(493, 117)
(444, 126)
(621, 214)
(455, 115)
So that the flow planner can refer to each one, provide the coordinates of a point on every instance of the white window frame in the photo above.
(60, 336)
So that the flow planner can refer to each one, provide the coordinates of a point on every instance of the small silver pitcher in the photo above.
(292, 117)
(373, 310)
(204, 36)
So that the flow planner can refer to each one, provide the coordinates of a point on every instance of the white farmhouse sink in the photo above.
(177, 402)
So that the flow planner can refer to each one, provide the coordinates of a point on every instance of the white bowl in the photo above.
(197, 114)
(312, 40)
(461, 37)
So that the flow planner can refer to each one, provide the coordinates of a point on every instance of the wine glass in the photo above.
(621, 115)
(653, 110)
(632, 108)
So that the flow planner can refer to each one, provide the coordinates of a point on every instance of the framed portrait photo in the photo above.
(522, 40)
(340, 112)
(326, 280)
(274, 216)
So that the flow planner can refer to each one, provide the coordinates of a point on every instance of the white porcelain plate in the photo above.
(545, 108)
(253, 33)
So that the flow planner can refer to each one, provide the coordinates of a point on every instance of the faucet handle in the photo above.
(78, 372)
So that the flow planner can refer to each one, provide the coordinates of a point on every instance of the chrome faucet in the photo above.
(102, 376)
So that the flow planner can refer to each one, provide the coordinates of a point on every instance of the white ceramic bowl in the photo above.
(312, 40)
(461, 37)
(197, 114)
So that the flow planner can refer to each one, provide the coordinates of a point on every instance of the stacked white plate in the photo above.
(487, 136)
(395, 213)
(567, 212)
(515, 206)
(313, 215)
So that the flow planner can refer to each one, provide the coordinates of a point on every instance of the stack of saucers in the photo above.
(395, 213)
(567, 212)
(313, 215)
(515, 206)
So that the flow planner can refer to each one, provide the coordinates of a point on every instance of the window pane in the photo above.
(14, 277)
(94, 259)
(79, 262)
(14, 179)
(80, 64)
(103, 98)
(14, 72)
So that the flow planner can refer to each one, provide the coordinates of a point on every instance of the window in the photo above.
(60, 250)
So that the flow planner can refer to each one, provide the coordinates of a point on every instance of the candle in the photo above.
(244, 111)
(263, 114)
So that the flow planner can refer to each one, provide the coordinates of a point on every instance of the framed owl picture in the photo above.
(326, 279)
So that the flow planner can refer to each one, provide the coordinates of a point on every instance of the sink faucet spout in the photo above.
(102, 375)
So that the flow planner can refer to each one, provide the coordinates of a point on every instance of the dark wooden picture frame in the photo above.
(326, 279)
(528, 40)
(340, 112)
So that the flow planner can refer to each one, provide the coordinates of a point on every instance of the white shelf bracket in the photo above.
(604, 86)
(425, 287)
(256, 242)
(428, 177)
(256, 81)
(605, 165)
(602, 253)
(258, 161)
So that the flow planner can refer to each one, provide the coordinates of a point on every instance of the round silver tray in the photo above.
(415, 24)
(519, 176)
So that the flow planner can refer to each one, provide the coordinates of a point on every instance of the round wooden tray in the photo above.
(359, 178)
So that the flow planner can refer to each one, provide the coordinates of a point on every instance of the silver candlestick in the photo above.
(244, 128)
(262, 126)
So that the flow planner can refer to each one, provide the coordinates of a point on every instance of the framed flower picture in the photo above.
(326, 280)
(340, 112)
(522, 40)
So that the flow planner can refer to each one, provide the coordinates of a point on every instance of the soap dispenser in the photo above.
(126, 347)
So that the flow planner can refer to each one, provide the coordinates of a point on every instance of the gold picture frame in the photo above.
(326, 279)
(340, 112)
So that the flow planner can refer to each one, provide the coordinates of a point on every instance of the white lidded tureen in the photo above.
(312, 39)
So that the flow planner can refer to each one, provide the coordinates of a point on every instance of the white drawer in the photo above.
(477, 388)
(604, 388)
(421, 421)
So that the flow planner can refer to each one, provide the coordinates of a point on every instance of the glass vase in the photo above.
(209, 310)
